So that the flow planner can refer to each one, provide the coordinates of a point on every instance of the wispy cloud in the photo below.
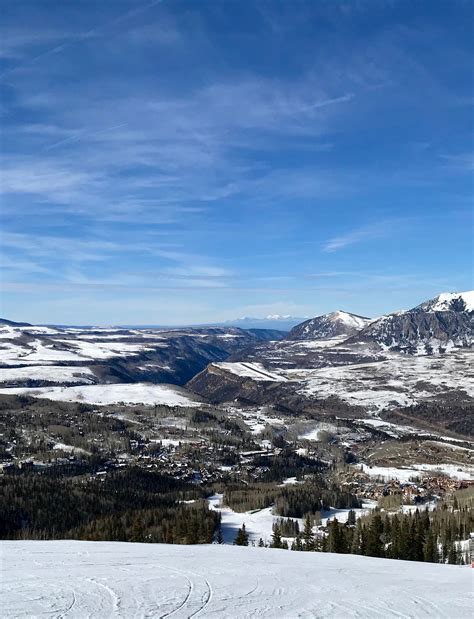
(153, 148)
(358, 235)
(20, 41)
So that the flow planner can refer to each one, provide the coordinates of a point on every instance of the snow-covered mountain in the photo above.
(400, 359)
(113, 579)
(328, 326)
(450, 302)
(434, 326)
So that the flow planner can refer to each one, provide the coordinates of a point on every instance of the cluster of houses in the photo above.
(427, 487)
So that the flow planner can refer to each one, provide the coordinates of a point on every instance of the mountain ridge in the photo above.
(328, 325)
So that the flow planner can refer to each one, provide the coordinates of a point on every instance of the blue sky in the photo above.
(177, 162)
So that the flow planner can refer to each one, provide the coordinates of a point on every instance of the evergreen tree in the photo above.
(276, 538)
(336, 538)
(374, 537)
(242, 538)
(355, 544)
(298, 543)
(308, 534)
(452, 554)
(430, 549)
(393, 551)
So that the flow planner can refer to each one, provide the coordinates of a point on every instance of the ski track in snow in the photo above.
(78, 580)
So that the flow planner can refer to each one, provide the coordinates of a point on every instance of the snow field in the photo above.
(455, 471)
(389, 383)
(128, 393)
(52, 373)
(111, 579)
(259, 522)
(256, 371)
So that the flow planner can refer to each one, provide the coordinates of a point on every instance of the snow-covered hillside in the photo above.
(328, 326)
(135, 393)
(111, 579)
(451, 301)
(394, 381)
(35, 356)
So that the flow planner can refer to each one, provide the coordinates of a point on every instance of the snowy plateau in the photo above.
(110, 579)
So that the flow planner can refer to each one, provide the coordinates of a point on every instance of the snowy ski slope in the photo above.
(109, 579)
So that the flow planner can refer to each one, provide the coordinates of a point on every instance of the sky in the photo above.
(173, 161)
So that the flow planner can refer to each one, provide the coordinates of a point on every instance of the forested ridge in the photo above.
(129, 505)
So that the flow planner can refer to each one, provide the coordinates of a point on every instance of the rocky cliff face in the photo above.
(435, 326)
(217, 384)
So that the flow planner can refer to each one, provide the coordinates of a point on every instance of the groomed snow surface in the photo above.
(112, 579)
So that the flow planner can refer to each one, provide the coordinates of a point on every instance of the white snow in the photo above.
(329, 342)
(52, 373)
(34, 353)
(256, 419)
(390, 383)
(167, 442)
(351, 320)
(7, 332)
(111, 579)
(69, 448)
(106, 350)
(38, 329)
(455, 471)
(128, 393)
(342, 514)
(443, 301)
(258, 522)
(256, 371)
(314, 433)
(83, 347)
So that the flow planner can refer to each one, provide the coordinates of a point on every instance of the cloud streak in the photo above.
(358, 235)
(146, 146)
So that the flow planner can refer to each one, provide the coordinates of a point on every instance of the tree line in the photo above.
(428, 536)
(127, 505)
(289, 501)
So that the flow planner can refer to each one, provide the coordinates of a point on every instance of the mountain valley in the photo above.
(364, 407)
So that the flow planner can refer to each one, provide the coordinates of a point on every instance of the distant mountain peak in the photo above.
(449, 302)
(329, 325)
(434, 326)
